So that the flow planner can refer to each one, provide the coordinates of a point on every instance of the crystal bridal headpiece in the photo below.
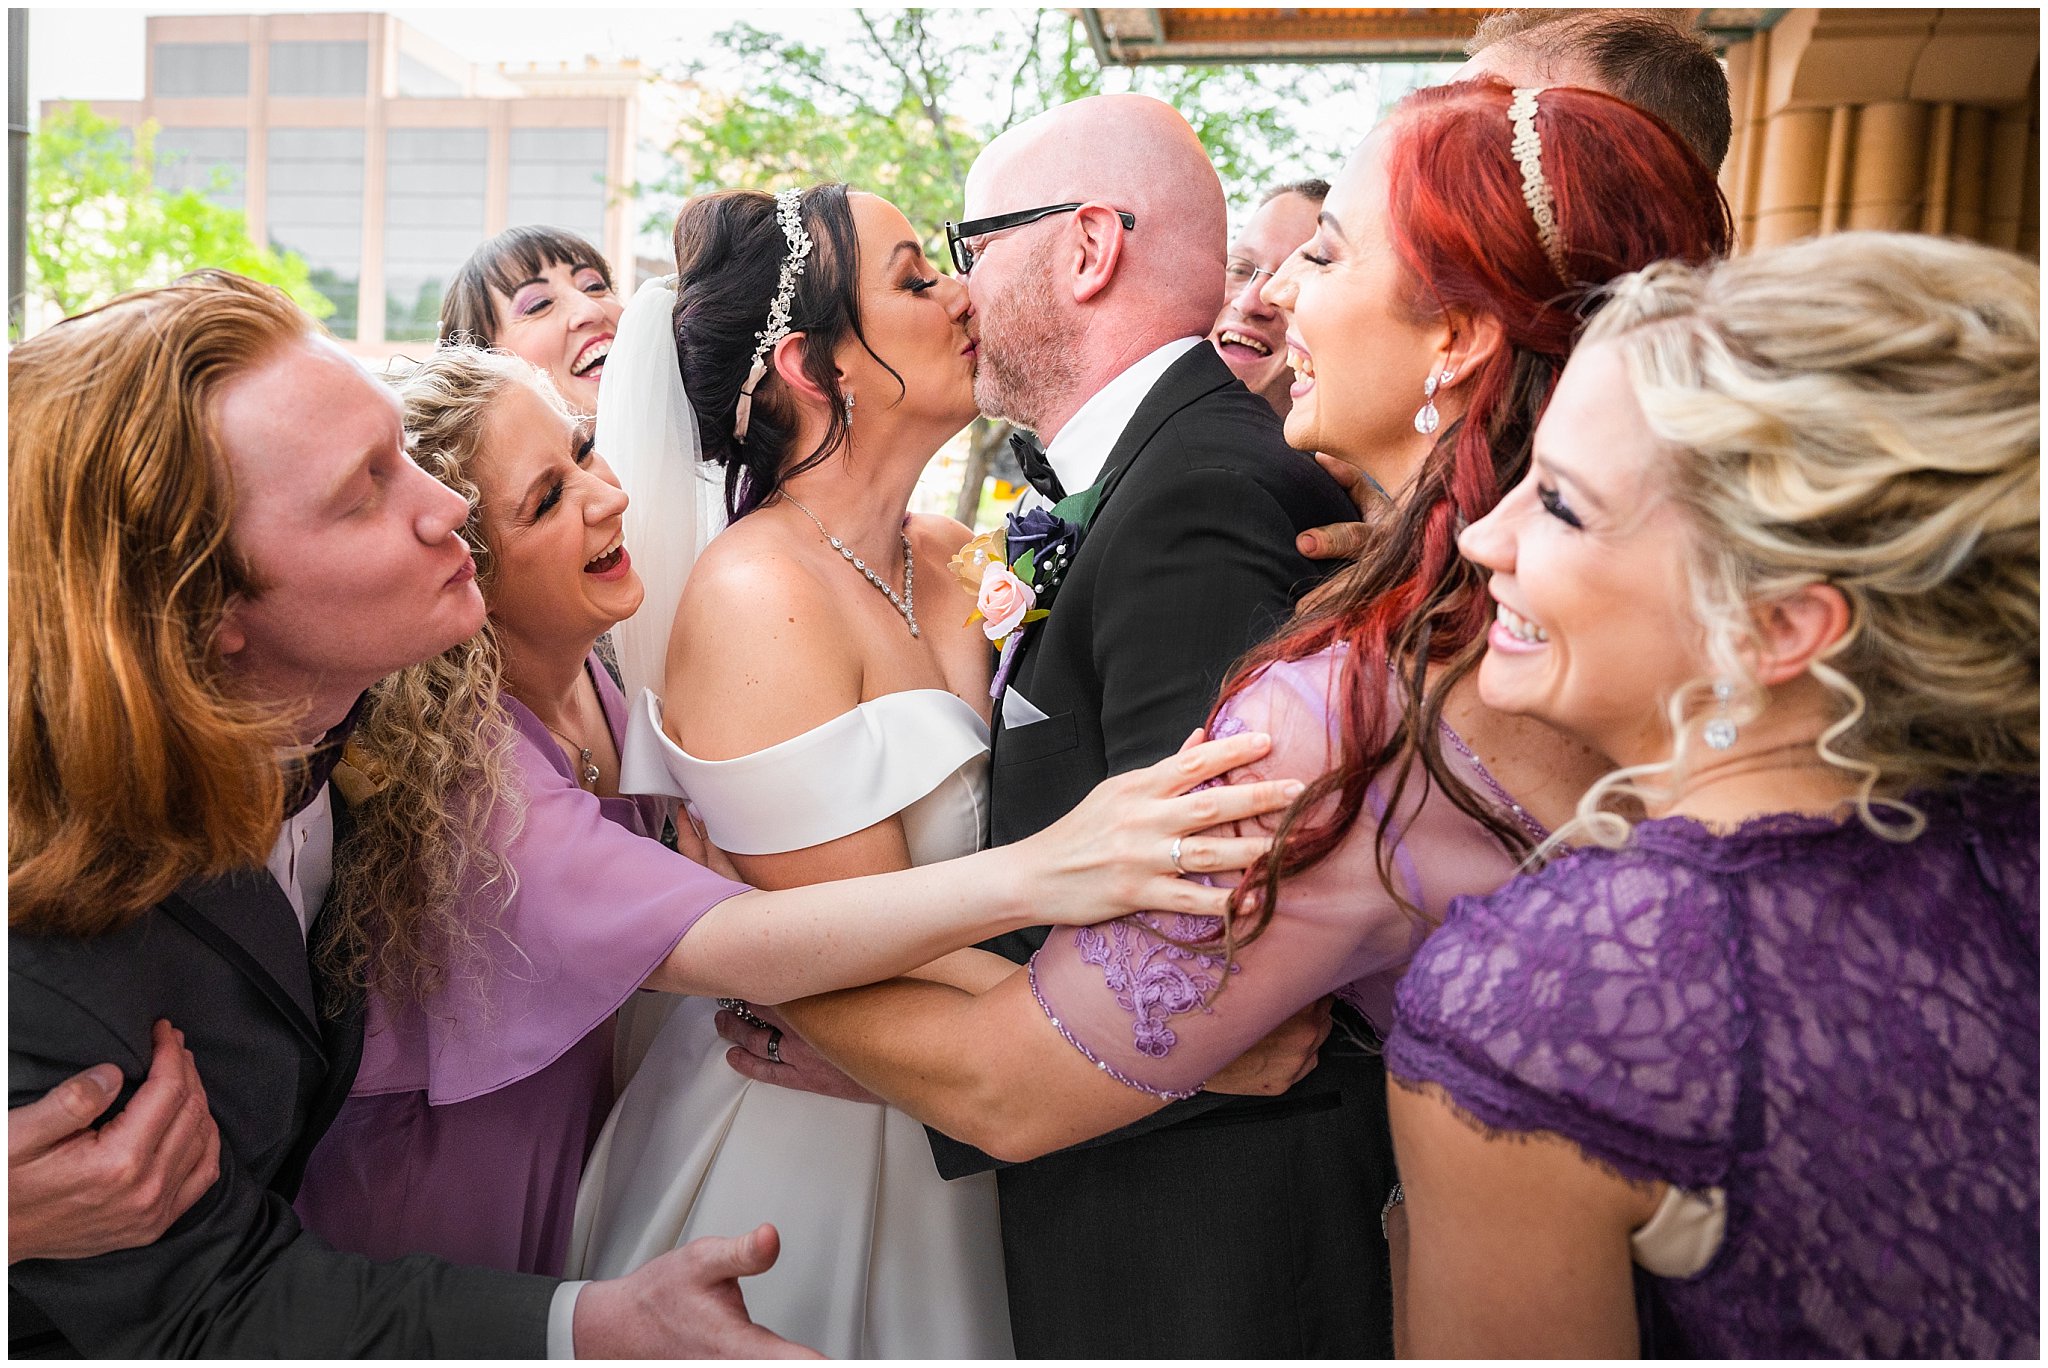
(789, 214)
(1528, 152)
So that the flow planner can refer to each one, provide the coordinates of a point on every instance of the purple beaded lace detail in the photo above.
(1153, 980)
(1031, 972)
(1839, 1031)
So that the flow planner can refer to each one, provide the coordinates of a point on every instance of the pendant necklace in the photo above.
(589, 775)
(907, 604)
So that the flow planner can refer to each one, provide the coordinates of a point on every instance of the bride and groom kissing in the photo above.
(853, 726)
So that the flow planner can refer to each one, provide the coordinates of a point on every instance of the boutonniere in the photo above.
(1015, 571)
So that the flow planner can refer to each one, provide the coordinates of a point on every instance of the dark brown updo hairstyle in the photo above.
(729, 254)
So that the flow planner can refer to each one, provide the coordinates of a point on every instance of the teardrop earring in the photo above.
(1426, 417)
(1719, 733)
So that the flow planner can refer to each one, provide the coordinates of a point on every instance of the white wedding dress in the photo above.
(881, 1258)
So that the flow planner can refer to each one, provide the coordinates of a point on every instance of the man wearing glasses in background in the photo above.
(1219, 1226)
(1251, 335)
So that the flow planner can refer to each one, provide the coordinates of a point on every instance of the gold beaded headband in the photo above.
(1528, 152)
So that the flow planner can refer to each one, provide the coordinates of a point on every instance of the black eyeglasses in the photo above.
(958, 233)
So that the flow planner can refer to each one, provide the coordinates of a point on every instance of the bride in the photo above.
(827, 715)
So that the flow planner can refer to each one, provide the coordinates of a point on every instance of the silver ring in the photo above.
(774, 1045)
(1174, 855)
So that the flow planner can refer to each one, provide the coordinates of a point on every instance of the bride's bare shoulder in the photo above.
(933, 535)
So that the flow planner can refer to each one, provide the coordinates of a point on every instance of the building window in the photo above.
(319, 68)
(433, 220)
(313, 202)
(557, 177)
(196, 158)
(199, 70)
(419, 80)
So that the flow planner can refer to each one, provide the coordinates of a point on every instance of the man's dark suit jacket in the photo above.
(1219, 1227)
(236, 1276)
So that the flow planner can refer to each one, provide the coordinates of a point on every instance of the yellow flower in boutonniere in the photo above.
(971, 560)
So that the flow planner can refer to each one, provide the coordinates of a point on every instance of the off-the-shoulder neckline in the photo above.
(947, 695)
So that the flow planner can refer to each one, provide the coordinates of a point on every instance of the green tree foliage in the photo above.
(904, 102)
(99, 225)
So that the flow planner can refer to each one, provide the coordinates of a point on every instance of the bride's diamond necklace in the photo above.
(906, 605)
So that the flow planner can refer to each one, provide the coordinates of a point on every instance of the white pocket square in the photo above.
(1019, 711)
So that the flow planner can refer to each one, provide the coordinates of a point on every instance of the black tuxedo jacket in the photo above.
(1266, 1208)
(236, 1276)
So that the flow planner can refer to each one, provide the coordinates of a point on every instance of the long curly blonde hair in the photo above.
(421, 879)
(1860, 410)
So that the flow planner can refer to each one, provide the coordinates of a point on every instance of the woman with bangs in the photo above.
(545, 295)
(1433, 312)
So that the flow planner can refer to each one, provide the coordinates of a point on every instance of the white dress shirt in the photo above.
(1081, 448)
(302, 860)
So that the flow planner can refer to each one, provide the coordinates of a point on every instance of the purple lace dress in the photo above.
(1149, 1012)
(1840, 1032)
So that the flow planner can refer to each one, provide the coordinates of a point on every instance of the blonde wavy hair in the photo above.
(131, 768)
(1860, 410)
(421, 880)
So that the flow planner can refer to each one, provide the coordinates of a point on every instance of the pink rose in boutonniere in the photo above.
(1004, 603)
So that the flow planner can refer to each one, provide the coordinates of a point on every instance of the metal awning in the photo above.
(1205, 37)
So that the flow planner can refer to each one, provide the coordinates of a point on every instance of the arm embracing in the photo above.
(236, 1275)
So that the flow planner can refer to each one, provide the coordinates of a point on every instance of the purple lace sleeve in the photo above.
(1842, 1032)
(1162, 1017)
(1592, 1000)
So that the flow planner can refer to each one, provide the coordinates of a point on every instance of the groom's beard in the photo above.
(1025, 360)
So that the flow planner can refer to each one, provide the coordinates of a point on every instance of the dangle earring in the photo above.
(849, 409)
(1426, 417)
(1719, 733)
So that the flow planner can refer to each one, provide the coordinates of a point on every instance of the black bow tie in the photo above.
(1037, 469)
(304, 778)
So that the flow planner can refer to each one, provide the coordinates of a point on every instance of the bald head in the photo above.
(1110, 302)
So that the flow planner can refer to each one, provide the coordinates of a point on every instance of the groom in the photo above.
(1219, 1226)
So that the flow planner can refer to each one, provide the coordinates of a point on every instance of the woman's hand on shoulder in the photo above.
(1115, 852)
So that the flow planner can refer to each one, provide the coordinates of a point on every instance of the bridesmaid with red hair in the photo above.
(1454, 263)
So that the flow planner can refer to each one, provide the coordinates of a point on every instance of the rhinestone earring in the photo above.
(849, 409)
(1719, 733)
(1426, 417)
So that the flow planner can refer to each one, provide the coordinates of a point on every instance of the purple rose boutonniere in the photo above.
(1014, 574)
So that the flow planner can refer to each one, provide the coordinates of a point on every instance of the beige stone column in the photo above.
(2006, 186)
(1888, 176)
(1795, 150)
(1970, 169)
(1941, 147)
(1834, 186)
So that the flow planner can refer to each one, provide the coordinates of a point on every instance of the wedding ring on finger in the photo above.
(744, 1013)
(1173, 854)
(774, 1046)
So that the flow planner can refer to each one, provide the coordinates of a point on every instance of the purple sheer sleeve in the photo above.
(1163, 1018)
(598, 905)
